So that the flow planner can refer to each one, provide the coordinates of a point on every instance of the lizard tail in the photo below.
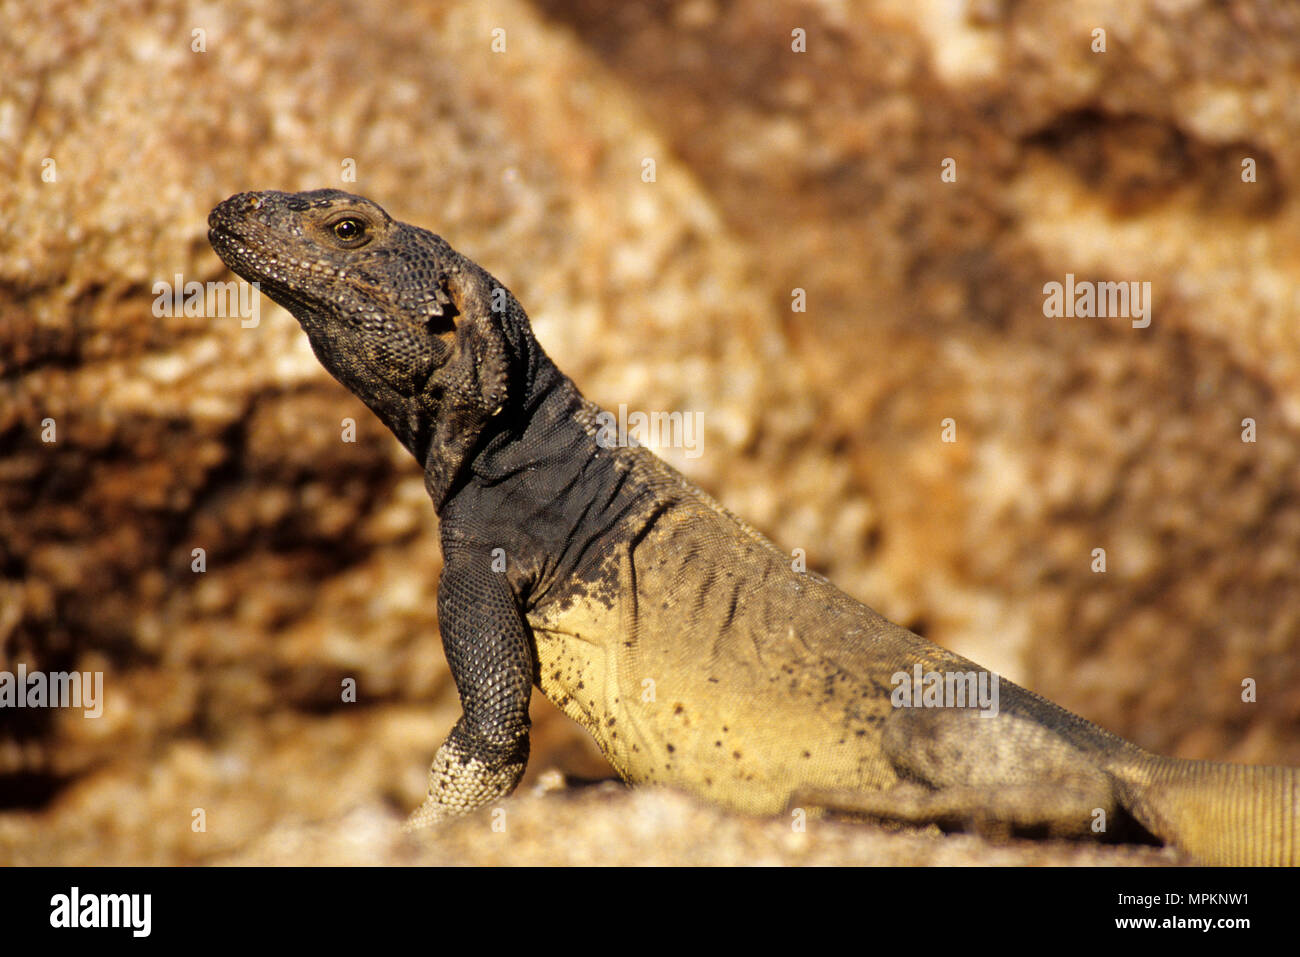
(1222, 814)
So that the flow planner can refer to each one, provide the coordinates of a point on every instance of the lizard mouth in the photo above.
(236, 236)
(238, 244)
(250, 264)
(236, 249)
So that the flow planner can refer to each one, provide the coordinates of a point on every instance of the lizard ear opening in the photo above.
(441, 311)
(475, 369)
(464, 393)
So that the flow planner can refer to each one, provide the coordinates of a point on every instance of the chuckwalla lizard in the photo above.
(591, 570)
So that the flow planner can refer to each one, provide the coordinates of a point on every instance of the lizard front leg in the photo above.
(491, 659)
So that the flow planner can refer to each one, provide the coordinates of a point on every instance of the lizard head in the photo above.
(421, 334)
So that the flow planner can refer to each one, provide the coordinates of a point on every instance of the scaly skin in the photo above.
(678, 636)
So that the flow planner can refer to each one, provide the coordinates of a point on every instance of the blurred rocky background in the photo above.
(796, 146)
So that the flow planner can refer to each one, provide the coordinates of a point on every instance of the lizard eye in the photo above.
(350, 231)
